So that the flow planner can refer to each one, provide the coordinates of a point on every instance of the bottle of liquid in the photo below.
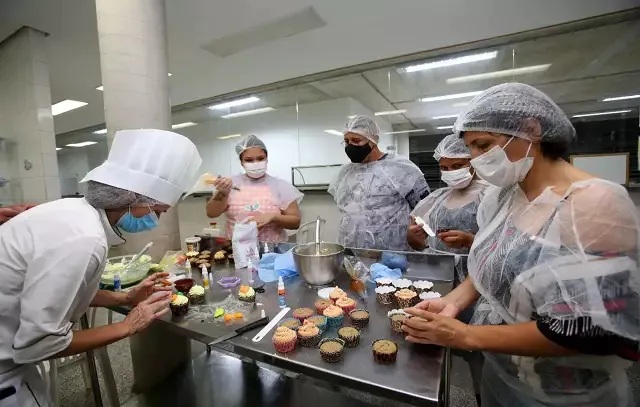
(116, 283)
(250, 271)
(205, 277)
(282, 293)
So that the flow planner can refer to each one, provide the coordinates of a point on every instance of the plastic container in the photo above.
(133, 274)
(193, 244)
(282, 293)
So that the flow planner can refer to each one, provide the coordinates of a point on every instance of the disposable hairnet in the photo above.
(103, 196)
(250, 142)
(569, 262)
(451, 146)
(517, 110)
(374, 200)
(364, 126)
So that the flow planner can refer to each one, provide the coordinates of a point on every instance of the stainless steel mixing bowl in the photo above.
(318, 269)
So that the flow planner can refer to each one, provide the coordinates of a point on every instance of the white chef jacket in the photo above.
(51, 259)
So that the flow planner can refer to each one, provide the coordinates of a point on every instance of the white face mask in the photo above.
(255, 169)
(457, 179)
(495, 167)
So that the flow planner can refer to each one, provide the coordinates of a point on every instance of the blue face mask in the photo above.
(131, 224)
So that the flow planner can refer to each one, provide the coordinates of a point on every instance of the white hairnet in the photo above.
(451, 146)
(103, 196)
(250, 142)
(364, 126)
(517, 110)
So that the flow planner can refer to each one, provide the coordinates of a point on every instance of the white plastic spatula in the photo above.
(137, 256)
(424, 225)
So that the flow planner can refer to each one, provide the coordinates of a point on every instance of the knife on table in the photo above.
(252, 325)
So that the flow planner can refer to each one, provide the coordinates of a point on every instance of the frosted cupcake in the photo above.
(382, 281)
(385, 294)
(319, 320)
(346, 303)
(335, 294)
(422, 286)
(406, 298)
(335, 316)
(429, 295)
(402, 283)
(246, 294)
(309, 335)
(321, 305)
(196, 294)
(396, 318)
(179, 305)
(220, 257)
(284, 339)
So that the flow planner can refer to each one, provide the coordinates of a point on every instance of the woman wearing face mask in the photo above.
(269, 201)
(555, 264)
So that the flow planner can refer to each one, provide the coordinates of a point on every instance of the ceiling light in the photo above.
(169, 74)
(500, 74)
(444, 127)
(229, 136)
(390, 112)
(248, 112)
(83, 144)
(101, 131)
(601, 113)
(183, 125)
(100, 88)
(351, 117)
(460, 104)
(448, 116)
(405, 131)
(234, 103)
(65, 106)
(452, 61)
(334, 132)
(621, 98)
(452, 96)
(58, 148)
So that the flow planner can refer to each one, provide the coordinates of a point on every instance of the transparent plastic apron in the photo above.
(254, 201)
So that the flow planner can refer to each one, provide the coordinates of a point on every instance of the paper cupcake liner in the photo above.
(335, 321)
(333, 357)
(321, 308)
(384, 358)
(396, 326)
(196, 299)
(248, 299)
(285, 346)
(309, 341)
(302, 318)
(383, 285)
(350, 341)
(385, 298)
(321, 326)
(348, 308)
(282, 323)
(220, 261)
(359, 322)
(179, 310)
(421, 290)
(407, 303)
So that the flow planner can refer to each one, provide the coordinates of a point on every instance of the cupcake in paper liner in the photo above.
(331, 350)
(246, 294)
(422, 286)
(350, 336)
(284, 339)
(291, 323)
(232, 260)
(346, 304)
(309, 335)
(384, 294)
(220, 257)
(429, 295)
(335, 294)
(403, 283)
(396, 318)
(321, 305)
(359, 318)
(383, 281)
(319, 320)
(335, 316)
(302, 313)
(384, 351)
(179, 305)
(406, 298)
(196, 295)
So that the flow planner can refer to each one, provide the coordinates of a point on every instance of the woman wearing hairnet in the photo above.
(555, 264)
(375, 192)
(269, 201)
(52, 257)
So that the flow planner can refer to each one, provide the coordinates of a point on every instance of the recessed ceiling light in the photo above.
(334, 132)
(601, 113)
(390, 112)
(460, 104)
(183, 125)
(444, 127)
(100, 88)
(405, 131)
(234, 103)
(83, 144)
(58, 148)
(452, 96)
(452, 61)
(448, 116)
(65, 106)
(101, 131)
(248, 112)
(169, 74)
(229, 136)
(621, 98)
(500, 74)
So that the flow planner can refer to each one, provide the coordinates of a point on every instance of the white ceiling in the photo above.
(356, 32)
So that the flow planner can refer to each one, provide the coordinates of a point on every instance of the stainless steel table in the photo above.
(419, 376)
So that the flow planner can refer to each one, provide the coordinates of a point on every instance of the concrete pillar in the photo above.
(133, 57)
(27, 141)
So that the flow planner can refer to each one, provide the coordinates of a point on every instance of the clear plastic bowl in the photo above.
(134, 274)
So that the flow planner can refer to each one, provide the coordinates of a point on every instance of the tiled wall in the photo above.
(26, 123)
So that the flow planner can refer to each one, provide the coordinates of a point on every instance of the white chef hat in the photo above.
(158, 164)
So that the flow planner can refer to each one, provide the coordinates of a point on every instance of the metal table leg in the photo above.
(93, 371)
(445, 398)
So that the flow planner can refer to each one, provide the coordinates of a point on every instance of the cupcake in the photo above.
(321, 305)
(382, 281)
(384, 351)
(309, 335)
(346, 303)
(422, 286)
(192, 256)
(350, 336)
(397, 317)
(385, 294)
(406, 298)
(331, 350)
(246, 294)
(284, 339)
(291, 323)
(231, 259)
(335, 294)
(428, 295)
(402, 283)
(302, 313)
(319, 320)
(206, 252)
(179, 305)
(196, 295)
(220, 257)
(335, 316)
(359, 318)
(201, 262)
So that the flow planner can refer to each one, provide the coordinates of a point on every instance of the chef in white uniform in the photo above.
(52, 256)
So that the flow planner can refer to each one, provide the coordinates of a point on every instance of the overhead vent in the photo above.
(283, 27)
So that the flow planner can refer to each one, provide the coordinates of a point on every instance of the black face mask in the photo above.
(357, 154)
